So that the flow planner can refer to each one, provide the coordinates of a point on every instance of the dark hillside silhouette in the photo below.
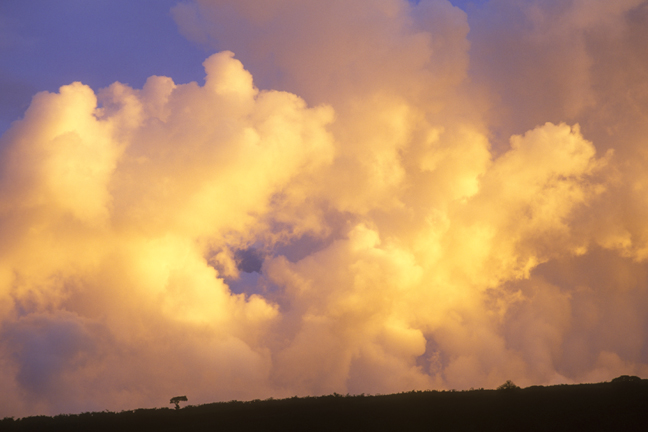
(621, 405)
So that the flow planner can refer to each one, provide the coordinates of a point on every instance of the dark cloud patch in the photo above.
(248, 260)
(45, 347)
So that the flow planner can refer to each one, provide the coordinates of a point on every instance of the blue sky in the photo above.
(45, 44)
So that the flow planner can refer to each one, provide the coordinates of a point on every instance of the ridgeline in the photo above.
(620, 405)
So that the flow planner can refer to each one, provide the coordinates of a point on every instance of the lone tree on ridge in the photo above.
(508, 385)
(176, 400)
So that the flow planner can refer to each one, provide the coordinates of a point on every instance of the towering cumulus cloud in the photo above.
(416, 198)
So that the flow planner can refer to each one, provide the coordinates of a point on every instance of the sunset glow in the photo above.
(366, 196)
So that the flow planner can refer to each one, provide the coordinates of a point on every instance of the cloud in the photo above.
(404, 197)
(111, 205)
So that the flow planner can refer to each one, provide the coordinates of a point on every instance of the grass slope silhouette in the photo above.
(620, 405)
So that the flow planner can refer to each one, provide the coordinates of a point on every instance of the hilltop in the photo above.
(618, 405)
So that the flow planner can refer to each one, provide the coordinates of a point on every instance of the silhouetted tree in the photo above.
(626, 379)
(508, 385)
(176, 400)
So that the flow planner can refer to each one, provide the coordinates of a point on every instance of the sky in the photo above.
(234, 199)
